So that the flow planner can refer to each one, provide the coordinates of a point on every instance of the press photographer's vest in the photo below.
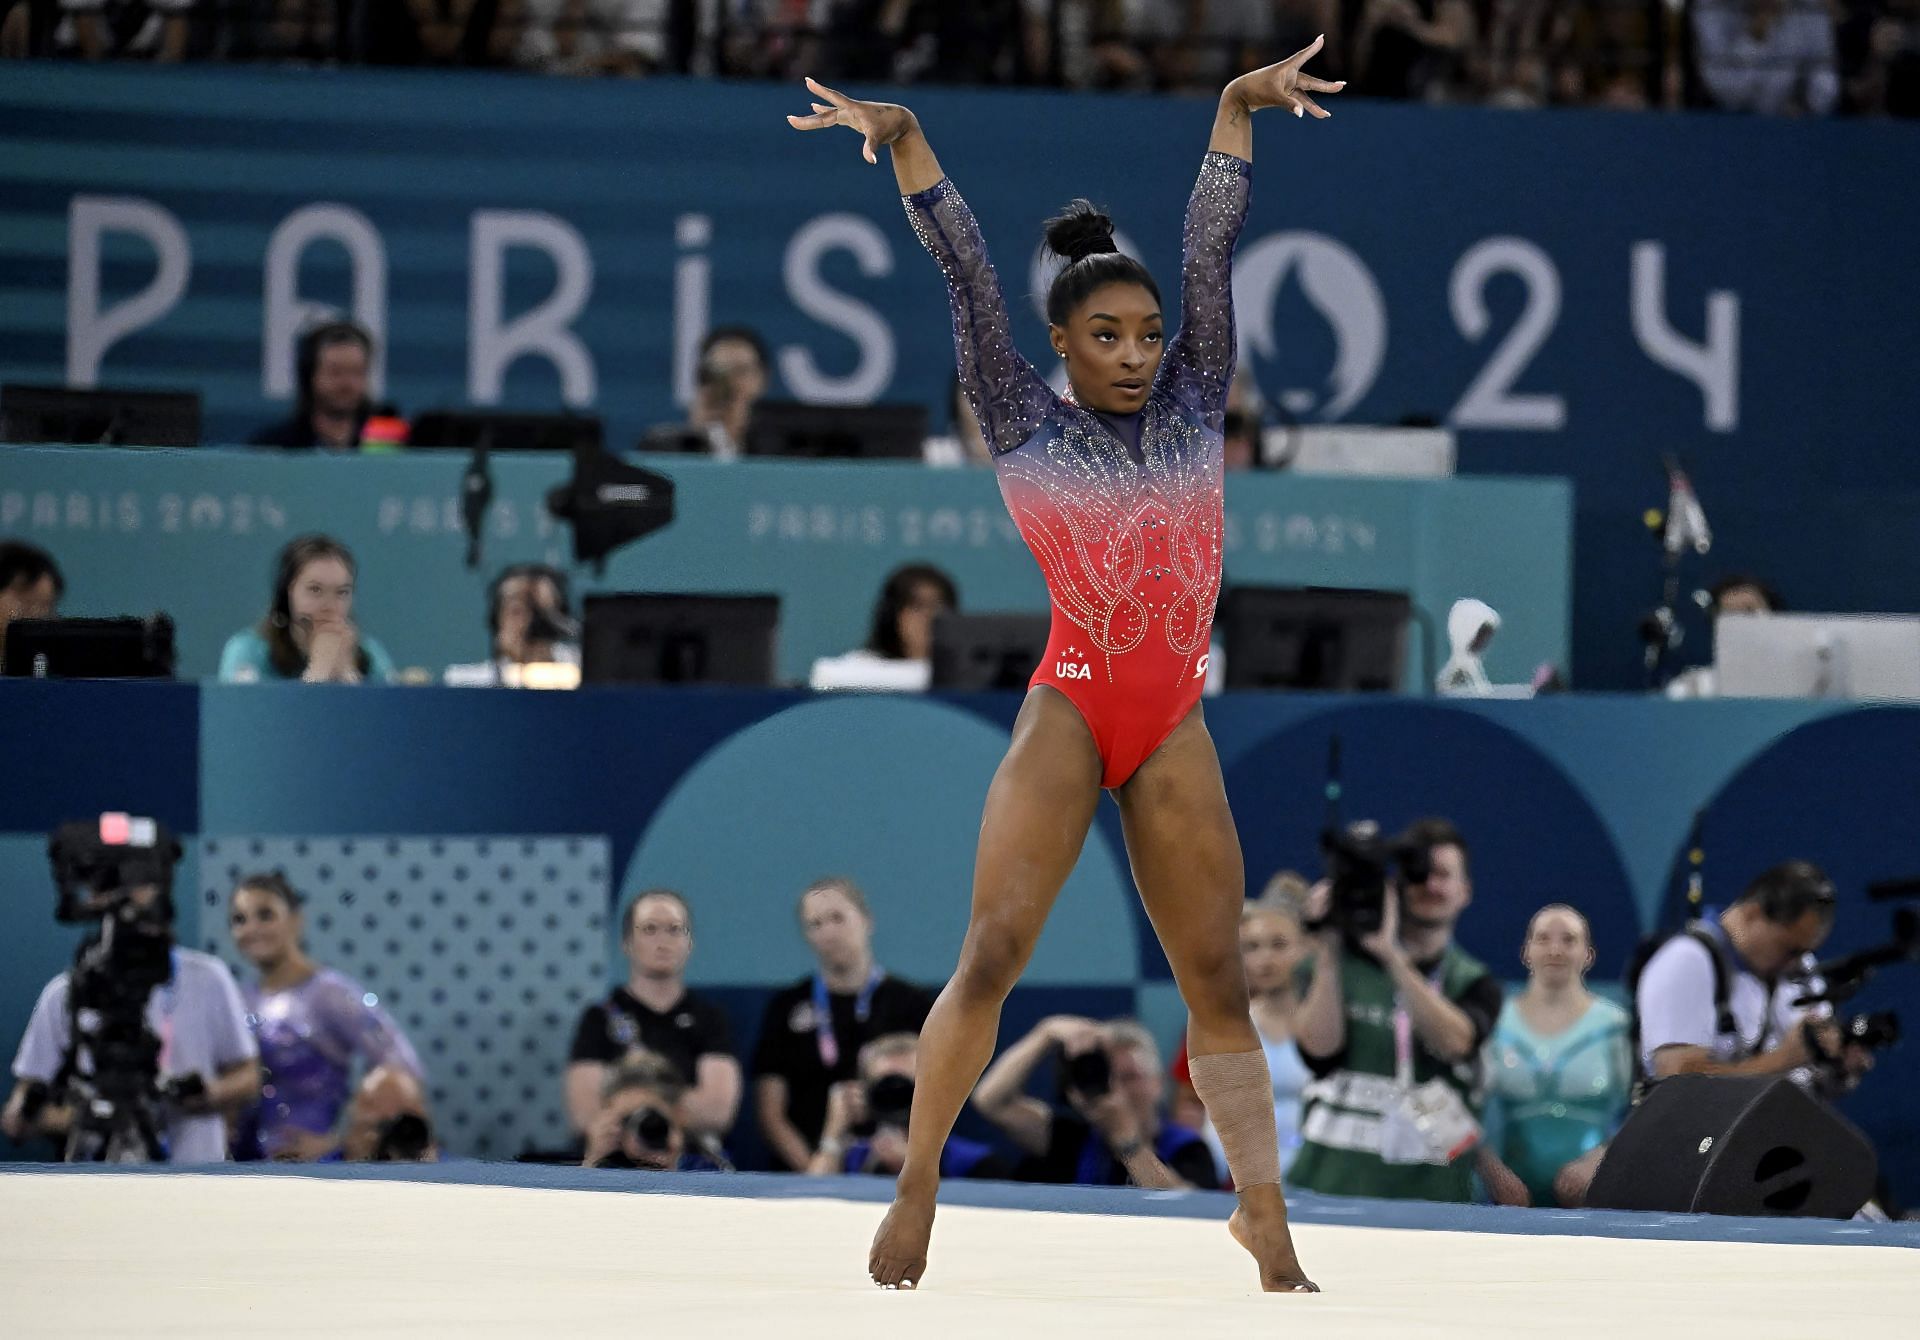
(1341, 1112)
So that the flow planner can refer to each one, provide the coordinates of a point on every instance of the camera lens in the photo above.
(890, 1099)
(1090, 1073)
(649, 1128)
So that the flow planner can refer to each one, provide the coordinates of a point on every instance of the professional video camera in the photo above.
(1842, 978)
(1361, 864)
(116, 872)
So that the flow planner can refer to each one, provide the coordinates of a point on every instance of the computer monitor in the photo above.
(1817, 656)
(99, 417)
(861, 432)
(1345, 641)
(503, 431)
(90, 648)
(978, 652)
(646, 638)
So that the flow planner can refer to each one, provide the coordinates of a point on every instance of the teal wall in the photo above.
(195, 533)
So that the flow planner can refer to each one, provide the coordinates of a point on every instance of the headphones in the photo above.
(307, 352)
(536, 571)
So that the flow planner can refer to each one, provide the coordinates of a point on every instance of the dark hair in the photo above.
(277, 628)
(884, 638)
(273, 882)
(1734, 581)
(537, 571)
(745, 334)
(316, 342)
(1789, 891)
(1434, 831)
(29, 563)
(1082, 236)
(633, 905)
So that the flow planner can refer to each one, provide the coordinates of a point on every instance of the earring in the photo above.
(278, 621)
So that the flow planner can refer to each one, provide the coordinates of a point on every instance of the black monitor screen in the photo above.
(975, 652)
(102, 417)
(878, 432)
(1315, 638)
(90, 648)
(679, 639)
(503, 431)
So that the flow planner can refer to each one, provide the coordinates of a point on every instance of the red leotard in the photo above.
(1127, 533)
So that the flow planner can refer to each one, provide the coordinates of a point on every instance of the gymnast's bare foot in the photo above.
(1260, 1225)
(898, 1257)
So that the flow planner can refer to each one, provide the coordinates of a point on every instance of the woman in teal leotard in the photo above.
(1559, 1071)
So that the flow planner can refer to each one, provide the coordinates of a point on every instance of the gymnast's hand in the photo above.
(880, 122)
(1286, 85)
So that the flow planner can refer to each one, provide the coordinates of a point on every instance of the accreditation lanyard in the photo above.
(823, 1014)
(1403, 1032)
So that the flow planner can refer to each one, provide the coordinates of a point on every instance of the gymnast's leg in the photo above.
(1186, 861)
(1038, 810)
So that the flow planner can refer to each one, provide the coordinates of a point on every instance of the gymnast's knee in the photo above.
(991, 961)
(1214, 986)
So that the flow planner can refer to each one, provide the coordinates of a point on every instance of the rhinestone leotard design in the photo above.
(1128, 537)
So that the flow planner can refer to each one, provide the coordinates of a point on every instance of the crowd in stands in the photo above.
(1819, 57)
(1517, 1094)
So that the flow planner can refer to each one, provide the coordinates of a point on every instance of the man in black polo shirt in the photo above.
(655, 1010)
(812, 1033)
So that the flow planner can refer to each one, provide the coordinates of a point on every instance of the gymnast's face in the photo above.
(1112, 343)
(264, 928)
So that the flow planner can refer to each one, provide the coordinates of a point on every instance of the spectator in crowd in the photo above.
(1879, 47)
(530, 620)
(964, 444)
(202, 1026)
(1774, 57)
(1404, 1006)
(30, 586)
(1739, 594)
(1718, 997)
(732, 378)
(638, 1124)
(389, 1121)
(1101, 43)
(655, 1011)
(1559, 1071)
(308, 632)
(1413, 49)
(899, 649)
(866, 1130)
(332, 364)
(1272, 948)
(155, 30)
(314, 1027)
(1106, 1129)
(812, 1032)
(592, 37)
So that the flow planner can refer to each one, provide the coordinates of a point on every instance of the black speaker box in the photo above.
(1703, 1144)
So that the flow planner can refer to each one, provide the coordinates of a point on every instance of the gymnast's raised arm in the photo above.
(1009, 398)
(1201, 357)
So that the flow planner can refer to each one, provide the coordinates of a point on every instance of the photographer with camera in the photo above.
(141, 1050)
(1393, 1020)
(1107, 1127)
(638, 1125)
(866, 1129)
(1721, 996)
(732, 378)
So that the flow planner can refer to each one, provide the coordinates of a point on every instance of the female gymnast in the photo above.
(1117, 490)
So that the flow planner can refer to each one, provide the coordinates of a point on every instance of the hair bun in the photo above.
(1082, 231)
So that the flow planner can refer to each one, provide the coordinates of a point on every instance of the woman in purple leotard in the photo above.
(315, 1027)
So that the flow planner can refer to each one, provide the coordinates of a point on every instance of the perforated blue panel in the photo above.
(484, 949)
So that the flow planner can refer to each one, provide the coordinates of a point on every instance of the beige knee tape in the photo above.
(1238, 1093)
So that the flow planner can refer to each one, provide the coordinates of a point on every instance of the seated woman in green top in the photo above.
(308, 633)
(1559, 1071)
